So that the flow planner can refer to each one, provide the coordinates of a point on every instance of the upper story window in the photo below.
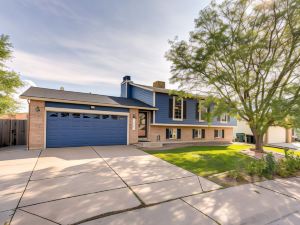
(202, 110)
(177, 108)
(224, 118)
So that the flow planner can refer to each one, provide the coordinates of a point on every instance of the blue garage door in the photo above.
(76, 129)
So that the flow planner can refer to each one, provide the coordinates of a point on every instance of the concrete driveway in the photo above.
(122, 185)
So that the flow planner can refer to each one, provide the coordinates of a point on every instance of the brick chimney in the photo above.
(126, 78)
(159, 84)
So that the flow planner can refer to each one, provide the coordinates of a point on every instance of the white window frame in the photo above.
(200, 111)
(173, 133)
(224, 118)
(174, 103)
(220, 131)
(199, 133)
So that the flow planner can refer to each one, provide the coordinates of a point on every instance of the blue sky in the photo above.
(89, 45)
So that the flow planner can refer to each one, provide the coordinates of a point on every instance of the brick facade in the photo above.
(159, 132)
(133, 128)
(36, 128)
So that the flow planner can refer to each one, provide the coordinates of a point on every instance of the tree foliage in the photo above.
(246, 53)
(9, 80)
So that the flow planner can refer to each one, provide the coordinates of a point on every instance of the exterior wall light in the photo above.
(37, 109)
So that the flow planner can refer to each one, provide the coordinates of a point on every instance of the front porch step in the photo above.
(150, 144)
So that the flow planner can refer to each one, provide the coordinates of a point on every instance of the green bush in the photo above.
(236, 175)
(268, 166)
(256, 167)
(282, 168)
(251, 168)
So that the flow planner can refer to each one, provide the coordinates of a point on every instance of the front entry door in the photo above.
(143, 124)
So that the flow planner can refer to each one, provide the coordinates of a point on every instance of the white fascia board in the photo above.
(188, 125)
(55, 109)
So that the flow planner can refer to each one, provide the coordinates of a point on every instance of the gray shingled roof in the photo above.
(161, 90)
(52, 94)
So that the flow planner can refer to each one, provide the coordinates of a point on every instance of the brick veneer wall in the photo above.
(133, 134)
(36, 128)
(186, 134)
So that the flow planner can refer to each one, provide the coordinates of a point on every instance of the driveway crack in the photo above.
(135, 194)
(37, 159)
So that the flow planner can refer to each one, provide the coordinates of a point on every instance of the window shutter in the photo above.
(203, 133)
(167, 133)
(216, 133)
(151, 117)
(193, 133)
(171, 108)
(178, 133)
(184, 109)
(197, 111)
(208, 109)
(223, 133)
(228, 118)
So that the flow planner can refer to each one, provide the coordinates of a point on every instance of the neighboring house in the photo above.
(15, 116)
(13, 129)
(275, 134)
(59, 118)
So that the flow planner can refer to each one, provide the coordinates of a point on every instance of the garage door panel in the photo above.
(82, 129)
(276, 135)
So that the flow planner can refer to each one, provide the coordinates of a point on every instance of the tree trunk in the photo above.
(259, 141)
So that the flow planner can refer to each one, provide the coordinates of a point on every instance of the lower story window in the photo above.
(219, 133)
(173, 133)
(199, 133)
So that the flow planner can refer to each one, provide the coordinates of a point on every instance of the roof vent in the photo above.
(159, 84)
(126, 78)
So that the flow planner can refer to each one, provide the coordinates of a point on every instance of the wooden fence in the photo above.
(13, 132)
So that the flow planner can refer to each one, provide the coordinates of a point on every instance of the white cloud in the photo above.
(59, 70)
(23, 102)
(96, 44)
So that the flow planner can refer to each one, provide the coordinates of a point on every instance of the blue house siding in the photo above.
(86, 107)
(143, 95)
(123, 90)
(162, 115)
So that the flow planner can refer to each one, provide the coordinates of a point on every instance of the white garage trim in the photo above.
(55, 109)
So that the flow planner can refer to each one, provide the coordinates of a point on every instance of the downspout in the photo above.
(28, 124)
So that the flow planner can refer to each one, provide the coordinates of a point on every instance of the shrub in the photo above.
(282, 168)
(270, 168)
(236, 175)
(256, 167)
(251, 168)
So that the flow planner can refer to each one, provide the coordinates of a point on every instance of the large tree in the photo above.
(9, 80)
(246, 55)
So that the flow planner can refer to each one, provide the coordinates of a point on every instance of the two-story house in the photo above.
(59, 118)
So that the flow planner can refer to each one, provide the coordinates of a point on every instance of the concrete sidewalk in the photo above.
(123, 185)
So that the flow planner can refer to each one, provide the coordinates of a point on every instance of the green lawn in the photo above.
(205, 160)
(280, 150)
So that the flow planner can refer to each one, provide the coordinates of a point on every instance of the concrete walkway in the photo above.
(122, 185)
